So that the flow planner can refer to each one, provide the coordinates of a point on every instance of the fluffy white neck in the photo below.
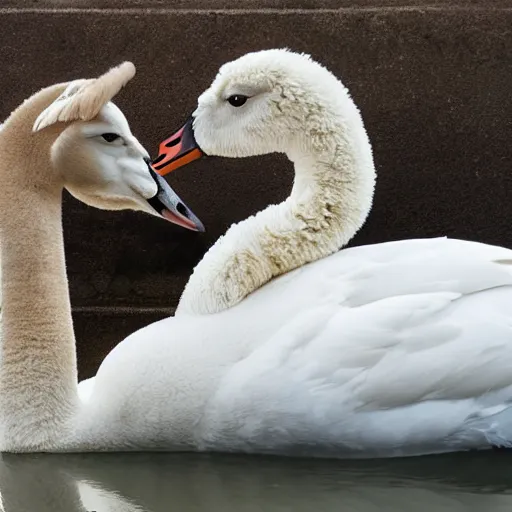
(330, 200)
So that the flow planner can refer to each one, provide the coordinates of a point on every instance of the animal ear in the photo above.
(54, 112)
(83, 99)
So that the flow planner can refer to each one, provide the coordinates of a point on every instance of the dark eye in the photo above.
(110, 137)
(237, 100)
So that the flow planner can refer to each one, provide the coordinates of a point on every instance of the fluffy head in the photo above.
(103, 164)
(268, 101)
(94, 151)
(71, 135)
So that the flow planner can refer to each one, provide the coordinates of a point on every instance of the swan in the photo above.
(396, 349)
(399, 348)
(68, 136)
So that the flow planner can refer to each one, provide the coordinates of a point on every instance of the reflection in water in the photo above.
(186, 482)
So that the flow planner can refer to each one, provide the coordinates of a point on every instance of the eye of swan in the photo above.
(237, 100)
(110, 137)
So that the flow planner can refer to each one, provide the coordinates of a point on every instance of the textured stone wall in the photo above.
(433, 81)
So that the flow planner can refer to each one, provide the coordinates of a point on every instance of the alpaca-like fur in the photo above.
(44, 148)
(83, 99)
(88, 97)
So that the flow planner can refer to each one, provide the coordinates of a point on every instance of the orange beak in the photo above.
(178, 150)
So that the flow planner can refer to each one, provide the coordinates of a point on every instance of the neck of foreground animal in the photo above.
(330, 200)
(38, 376)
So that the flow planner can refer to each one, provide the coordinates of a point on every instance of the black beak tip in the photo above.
(200, 226)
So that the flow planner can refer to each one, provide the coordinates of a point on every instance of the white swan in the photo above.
(394, 349)
(401, 348)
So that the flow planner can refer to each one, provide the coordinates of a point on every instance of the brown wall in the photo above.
(433, 82)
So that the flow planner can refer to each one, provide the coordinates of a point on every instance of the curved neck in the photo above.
(38, 376)
(330, 200)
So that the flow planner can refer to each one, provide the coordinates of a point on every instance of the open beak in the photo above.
(168, 204)
(179, 149)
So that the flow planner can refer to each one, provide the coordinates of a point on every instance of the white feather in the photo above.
(344, 358)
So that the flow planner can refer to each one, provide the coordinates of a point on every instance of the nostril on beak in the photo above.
(159, 159)
(181, 208)
(173, 142)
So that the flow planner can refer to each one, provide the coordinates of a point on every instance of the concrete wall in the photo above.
(433, 81)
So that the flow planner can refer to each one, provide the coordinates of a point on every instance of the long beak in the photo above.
(169, 205)
(179, 149)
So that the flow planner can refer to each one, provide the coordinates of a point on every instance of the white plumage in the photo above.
(401, 348)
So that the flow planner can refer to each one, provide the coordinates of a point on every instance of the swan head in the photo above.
(98, 159)
(264, 102)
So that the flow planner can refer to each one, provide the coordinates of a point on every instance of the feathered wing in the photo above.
(401, 356)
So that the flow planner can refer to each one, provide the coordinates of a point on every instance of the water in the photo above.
(215, 483)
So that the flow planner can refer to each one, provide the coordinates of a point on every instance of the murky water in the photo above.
(189, 483)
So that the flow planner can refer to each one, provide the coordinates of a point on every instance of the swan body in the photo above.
(418, 362)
